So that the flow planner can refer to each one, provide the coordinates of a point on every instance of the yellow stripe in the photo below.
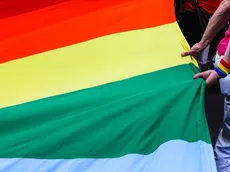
(222, 67)
(99, 61)
(183, 42)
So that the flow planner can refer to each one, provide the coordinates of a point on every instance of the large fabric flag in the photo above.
(98, 86)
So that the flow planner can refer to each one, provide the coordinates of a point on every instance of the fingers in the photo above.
(187, 53)
(191, 52)
(204, 75)
(198, 75)
(194, 50)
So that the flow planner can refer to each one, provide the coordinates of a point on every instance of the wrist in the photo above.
(204, 43)
(223, 68)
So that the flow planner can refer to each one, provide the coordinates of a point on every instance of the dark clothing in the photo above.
(191, 28)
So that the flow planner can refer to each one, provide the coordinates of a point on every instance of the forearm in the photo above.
(217, 21)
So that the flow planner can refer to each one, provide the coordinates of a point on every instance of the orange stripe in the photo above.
(124, 16)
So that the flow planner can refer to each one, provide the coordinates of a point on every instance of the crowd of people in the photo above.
(204, 24)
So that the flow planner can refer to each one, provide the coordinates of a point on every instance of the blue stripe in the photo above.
(219, 72)
(172, 156)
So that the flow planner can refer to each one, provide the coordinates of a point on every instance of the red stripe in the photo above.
(77, 21)
(9, 8)
(225, 64)
(27, 22)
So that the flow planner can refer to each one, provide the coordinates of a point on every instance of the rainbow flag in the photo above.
(98, 86)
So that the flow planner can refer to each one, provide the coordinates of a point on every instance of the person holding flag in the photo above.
(193, 18)
(222, 72)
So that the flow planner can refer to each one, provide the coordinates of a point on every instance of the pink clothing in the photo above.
(224, 43)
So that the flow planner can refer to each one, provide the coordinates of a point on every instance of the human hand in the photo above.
(194, 50)
(210, 76)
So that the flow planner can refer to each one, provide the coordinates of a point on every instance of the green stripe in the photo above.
(130, 116)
